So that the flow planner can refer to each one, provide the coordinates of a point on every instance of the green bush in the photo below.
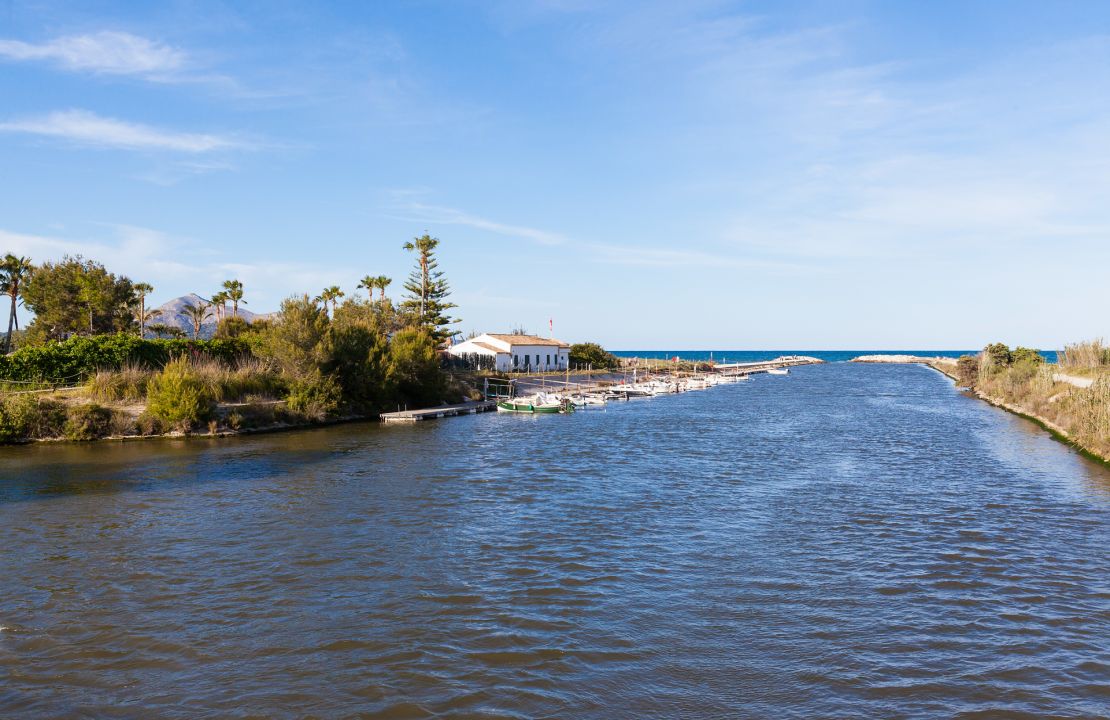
(178, 396)
(358, 357)
(79, 358)
(231, 327)
(16, 415)
(27, 417)
(314, 398)
(414, 374)
(88, 422)
(999, 355)
(583, 354)
(1026, 355)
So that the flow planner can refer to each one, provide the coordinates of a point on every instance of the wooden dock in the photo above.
(411, 416)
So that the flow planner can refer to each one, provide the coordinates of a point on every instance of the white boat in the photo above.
(540, 403)
(778, 371)
(587, 400)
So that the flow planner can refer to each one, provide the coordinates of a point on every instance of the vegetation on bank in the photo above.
(1022, 379)
(317, 358)
(592, 355)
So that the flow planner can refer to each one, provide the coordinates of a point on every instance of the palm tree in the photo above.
(161, 329)
(14, 271)
(424, 246)
(369, 283)
(330, 295)
(234, 291)
(142, 290)
(382, 282)
(219, 302)
(197, 314)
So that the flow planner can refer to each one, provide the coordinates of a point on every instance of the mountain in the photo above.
(172, 313)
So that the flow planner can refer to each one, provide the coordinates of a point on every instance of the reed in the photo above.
(128, 384)
(1089, 354)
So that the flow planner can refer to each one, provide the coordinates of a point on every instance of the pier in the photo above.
(411, 416)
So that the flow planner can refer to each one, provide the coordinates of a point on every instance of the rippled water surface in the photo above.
(848, 541)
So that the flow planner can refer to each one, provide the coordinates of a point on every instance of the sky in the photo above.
(699, 174)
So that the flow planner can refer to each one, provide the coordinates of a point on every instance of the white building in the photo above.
(516, 352)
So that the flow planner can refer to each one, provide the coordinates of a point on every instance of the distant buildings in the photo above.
(516, 352)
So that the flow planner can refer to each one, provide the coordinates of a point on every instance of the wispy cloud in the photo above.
(87, 128)
(606, 253)
(421, 213)
(107, 52)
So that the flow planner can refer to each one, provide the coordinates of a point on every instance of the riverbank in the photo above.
(1074, 409)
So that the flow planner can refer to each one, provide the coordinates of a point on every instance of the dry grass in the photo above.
(1090, 354)
(126, 385)
(1084, 413)
(223, 382)
(249, 377)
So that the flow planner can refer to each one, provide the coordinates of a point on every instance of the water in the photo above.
(847, 541)
(826, 355)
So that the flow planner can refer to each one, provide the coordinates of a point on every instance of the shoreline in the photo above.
(1057, 432)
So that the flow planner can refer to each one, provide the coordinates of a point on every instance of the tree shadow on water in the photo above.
(45, 470)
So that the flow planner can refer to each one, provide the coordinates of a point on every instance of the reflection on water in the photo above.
(845, 541)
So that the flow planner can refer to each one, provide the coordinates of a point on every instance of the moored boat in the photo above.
(540, 403)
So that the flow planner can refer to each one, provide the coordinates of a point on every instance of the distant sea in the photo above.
(723, 356)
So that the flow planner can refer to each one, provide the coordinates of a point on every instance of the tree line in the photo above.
(79, 296)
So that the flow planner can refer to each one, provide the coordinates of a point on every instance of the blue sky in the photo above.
(647, 174)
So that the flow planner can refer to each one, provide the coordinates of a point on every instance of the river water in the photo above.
(847, 541)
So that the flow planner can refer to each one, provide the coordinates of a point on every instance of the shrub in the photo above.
(256, 415)
(49, 421)
(583, 354)
(178, 396)
(314, 398)
(967, 369)
(414, 373)
(358, 358)
(88, 422)
(123, 424)
(1026, 355)
(293, 341)
(79, 358)
(148, 424)
(27, 417)
(998, 355)
(16, 412)
(231, 327)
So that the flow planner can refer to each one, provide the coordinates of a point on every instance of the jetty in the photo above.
(434, 413)
(762, 366)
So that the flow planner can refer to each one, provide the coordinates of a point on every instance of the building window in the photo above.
(516, 360)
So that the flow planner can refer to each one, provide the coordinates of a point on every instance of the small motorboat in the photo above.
(540, 403)
(778, 371)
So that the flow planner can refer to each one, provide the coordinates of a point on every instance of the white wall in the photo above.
(549, 357)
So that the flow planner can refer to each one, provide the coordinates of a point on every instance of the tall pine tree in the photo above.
(428, 290)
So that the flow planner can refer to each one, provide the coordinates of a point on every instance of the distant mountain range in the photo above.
(172, 314)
